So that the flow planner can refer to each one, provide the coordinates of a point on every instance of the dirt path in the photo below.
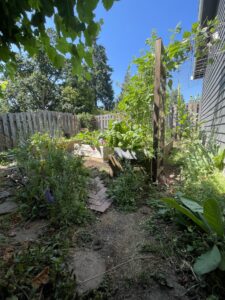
(119, 238)
(126, 260)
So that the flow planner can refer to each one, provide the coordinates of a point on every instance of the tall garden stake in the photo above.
(158, 112)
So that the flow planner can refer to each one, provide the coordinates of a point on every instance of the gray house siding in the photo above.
(213, 97)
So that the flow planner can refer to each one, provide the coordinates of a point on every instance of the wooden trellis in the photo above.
(158, 112)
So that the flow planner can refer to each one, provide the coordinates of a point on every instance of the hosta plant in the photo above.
(209, 217)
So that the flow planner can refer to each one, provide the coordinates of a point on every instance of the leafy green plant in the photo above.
(128, 189)
(89, 137)
(87, 121)
(129, 137)
(55, 185)
(75, 22)
(219, 159)
(209, 217)
(197, 160)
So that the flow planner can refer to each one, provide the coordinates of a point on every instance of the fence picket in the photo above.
(17, 127)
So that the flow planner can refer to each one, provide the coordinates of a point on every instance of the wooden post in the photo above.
(158, 112)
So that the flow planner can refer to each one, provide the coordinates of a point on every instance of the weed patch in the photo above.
(38, 270)
(128, 189)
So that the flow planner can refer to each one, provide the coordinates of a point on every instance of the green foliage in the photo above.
(101, 78)
(138, 94)
(197, 160)
(124, 85)
(56, 181)
(17, 273)
(219, 159)
(77, 92)
(202, 189)
(128, 189)
(208, 261)
(24, 23)
(88, 137)
(209, 217)
(127, 136)
(87, 121)
(35, 85)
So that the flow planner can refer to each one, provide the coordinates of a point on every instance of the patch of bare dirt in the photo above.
(118, 238)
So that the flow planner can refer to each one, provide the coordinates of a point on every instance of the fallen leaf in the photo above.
(8, 254)
(41, 278)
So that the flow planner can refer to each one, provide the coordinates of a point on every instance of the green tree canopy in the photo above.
(77, 93)
(23, 25)
(102, 78)
(36, 85)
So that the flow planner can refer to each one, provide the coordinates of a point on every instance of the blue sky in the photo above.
(130, 22)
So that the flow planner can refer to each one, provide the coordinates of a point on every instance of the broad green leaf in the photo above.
(59, 61)
(192, 205)
(186, 34)
(222, 262)
(173, 203)
(208, 261)
(213, 216)
(170, 83)
(108, 4)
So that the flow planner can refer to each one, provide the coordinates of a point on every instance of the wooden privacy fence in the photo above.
(103, 120)
(17, 127)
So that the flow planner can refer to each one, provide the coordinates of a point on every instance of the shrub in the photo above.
(128, 189)
(87, 121)
(56, 181)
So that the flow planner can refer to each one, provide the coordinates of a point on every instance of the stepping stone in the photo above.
(8, 206)
(89, 268)
(5, 194)
(98, 199)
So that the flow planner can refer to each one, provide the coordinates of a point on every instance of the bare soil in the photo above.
(118, 238)
(121, 259)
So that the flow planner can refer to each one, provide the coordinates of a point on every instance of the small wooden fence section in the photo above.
(103, 120)
(17, 127)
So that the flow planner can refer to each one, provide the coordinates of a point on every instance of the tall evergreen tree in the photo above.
(102, 82)
(124, 85)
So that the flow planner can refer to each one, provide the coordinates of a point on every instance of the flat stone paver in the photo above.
(97, 197)
(8, 206)
(89, 268)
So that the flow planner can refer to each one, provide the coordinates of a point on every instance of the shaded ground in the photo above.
(120, 255)
(133, 272)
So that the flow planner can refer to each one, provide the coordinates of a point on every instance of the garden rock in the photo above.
(89, 268)
(5, 194)
(8, 206)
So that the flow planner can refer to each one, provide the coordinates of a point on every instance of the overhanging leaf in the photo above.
(213, 216)
(222, 262)
(192, 205)
(107, 4)
(208, 261)
(173, 203)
